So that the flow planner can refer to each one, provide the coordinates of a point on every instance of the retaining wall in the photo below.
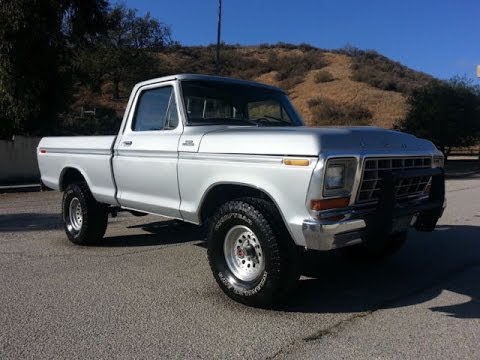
(18, 161)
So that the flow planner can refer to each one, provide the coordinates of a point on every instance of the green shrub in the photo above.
(329, 112)
(292, 68)
(323, 76)
(291, 82)
(233, 62)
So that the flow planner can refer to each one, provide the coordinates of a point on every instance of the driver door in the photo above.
(146, 156)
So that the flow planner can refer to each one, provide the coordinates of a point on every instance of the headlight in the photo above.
(335, 177)
(438, 161)
(339, 177)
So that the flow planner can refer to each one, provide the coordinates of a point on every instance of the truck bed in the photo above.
(90, 155)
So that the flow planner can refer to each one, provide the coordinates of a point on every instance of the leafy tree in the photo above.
(36, 37)
(125, 52)
(447, 113)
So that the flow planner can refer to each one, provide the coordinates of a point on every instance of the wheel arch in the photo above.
(69, 175)
(219, 193)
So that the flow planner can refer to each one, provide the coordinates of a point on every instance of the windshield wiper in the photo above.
(245, 121)
(226, 121)
(274, 119)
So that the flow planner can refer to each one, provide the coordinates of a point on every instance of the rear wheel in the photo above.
(371, 254)
(252, 256)
(84, 218)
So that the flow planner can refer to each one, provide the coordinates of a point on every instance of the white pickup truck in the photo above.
(234, 155)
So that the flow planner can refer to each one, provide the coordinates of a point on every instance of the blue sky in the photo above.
(440, 37)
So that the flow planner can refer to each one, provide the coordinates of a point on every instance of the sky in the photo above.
(441, 37)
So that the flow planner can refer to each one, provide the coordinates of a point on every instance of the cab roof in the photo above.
(213, 78)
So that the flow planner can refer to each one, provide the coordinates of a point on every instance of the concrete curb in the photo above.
(456, 175)
(20, 188)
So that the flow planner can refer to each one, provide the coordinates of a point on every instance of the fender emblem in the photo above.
(188, 143)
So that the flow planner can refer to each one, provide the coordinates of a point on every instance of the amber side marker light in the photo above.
(296, 162)
(326, 204)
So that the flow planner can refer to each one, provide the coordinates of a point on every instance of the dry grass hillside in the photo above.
(344, 87)
(386, 107)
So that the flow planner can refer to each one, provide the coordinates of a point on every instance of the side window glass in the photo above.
(172, 114)
(151, 110)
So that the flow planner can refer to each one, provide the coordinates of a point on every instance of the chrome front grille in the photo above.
(373, 169)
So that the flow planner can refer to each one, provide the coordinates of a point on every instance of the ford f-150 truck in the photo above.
(235, 156)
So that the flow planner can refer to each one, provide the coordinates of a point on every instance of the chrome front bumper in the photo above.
(389, 216)
(328, 235)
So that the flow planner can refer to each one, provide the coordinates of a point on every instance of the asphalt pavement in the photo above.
(147, 292)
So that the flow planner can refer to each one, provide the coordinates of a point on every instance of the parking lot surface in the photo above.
(147, 292)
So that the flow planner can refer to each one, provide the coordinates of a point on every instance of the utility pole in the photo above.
(478, 76)
(219, 28)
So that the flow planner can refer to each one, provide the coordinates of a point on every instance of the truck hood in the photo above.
(308, 141)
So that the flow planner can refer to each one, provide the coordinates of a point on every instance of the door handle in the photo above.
(128, 142)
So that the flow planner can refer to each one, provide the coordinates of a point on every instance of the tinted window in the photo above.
(156, 110)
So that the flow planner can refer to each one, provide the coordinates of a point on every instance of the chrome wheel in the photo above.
(243, 253)
(75, 216)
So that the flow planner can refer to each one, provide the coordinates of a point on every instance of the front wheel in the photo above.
(84, 218)
(252, 256)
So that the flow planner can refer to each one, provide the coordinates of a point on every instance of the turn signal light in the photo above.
(296, 162)
(326, 204)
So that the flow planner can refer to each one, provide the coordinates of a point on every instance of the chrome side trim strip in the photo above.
(241, 158)
(76, 151)
(146, 153)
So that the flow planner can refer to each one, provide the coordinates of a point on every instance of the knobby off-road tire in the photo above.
(85, 220)
(362, 253)
(251, 253)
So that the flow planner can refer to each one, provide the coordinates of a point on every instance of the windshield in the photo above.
(212, 103)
